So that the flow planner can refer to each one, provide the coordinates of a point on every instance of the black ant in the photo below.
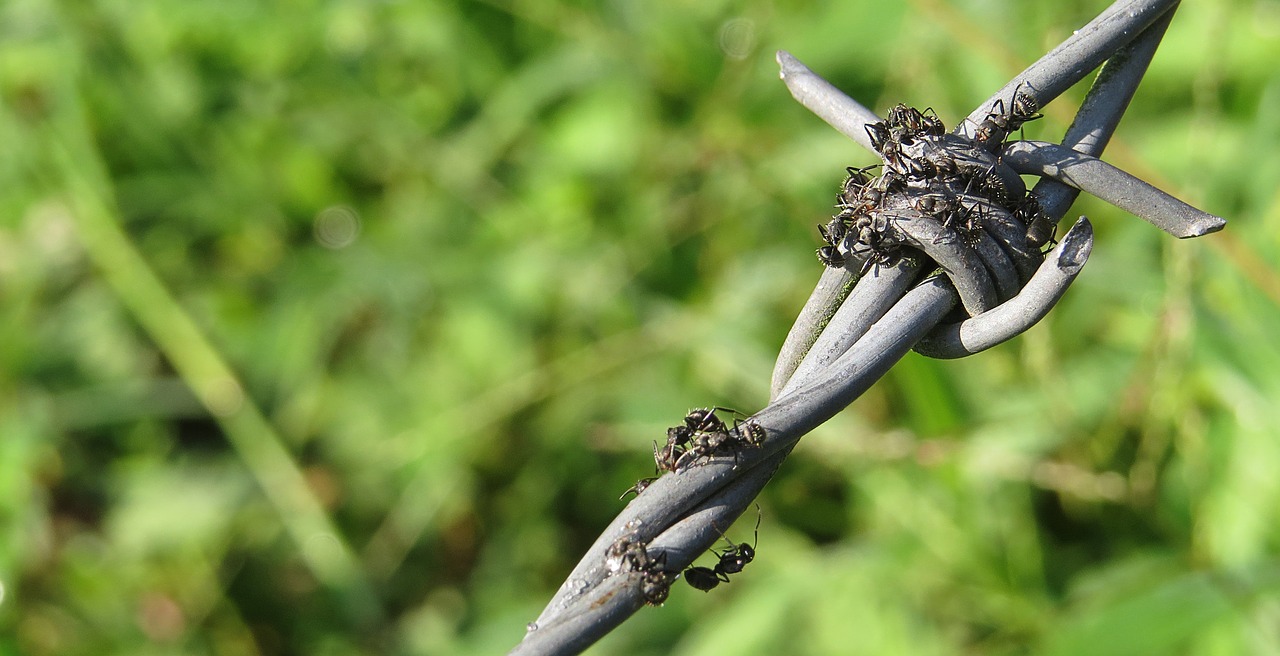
(872, 233)
(626, 554)
(934, 204)
(679, 436)
(684, 437)
(1024, 107)
(871, 197)
(1041, 229)
(888, 182)
(833, 233)
(704, 578)
(879, 259)
(732, 560)
(698, 433)
(705, 419)
(888, 143)
(879, 135)
(855, 183)
(987, 185)
(966, 219)
(998, 125)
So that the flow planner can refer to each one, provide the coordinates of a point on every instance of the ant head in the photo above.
(830, 257)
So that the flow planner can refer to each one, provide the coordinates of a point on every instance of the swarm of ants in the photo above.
(928, 173)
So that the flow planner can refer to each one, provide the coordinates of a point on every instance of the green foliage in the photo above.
(337, 327)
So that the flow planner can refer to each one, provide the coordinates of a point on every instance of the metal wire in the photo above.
(847, 336)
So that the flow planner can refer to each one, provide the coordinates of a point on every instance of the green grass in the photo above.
(338, 328)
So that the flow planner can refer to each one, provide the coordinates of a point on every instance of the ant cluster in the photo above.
(732, 561)
(628, 554)
(928, 172)
(702, 435)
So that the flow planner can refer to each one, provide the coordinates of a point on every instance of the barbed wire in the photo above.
(950, 208)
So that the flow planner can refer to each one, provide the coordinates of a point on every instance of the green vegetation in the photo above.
(338, 327)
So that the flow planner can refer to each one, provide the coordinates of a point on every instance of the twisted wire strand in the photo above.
(1084, 51)
(869, 300)
(834, 285)
(834, 354)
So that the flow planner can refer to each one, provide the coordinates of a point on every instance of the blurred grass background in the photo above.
(338, 327)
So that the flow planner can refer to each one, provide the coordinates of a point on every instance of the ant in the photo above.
(888, 143)
(993, 130)
(681, 439)
(732, 560)
(1040, 228)
(691, 434)
(914, 122)
(935, 204)
(679, 436)
(872, 232)
(855, 183)
(886, 258)
(987, 185)
(879, 135)
(833, 233)
(704, 444)
(702, 420)
(628, 554)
